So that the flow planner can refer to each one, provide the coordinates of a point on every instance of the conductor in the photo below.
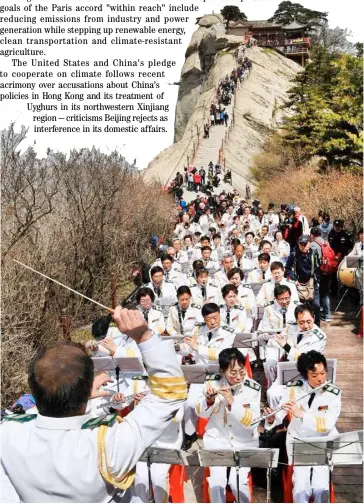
(60, 455)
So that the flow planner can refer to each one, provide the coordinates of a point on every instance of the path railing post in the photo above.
(113, 290)
(65, 321)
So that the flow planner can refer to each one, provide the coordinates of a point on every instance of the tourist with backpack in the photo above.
(328, 268)
(303, 266)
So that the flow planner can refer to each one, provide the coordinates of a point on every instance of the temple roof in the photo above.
(294, 26)
(240, 23)
(264, 24)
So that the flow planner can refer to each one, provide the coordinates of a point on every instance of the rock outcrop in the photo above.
(209, 58)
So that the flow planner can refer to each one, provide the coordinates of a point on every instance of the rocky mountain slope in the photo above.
(209, 57)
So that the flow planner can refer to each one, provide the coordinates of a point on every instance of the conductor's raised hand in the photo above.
(132, 323)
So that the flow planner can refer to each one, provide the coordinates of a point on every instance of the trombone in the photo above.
(263, 417)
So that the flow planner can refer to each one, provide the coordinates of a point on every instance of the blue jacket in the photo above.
(299, 266)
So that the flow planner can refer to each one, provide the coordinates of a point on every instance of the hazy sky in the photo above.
(144, 147)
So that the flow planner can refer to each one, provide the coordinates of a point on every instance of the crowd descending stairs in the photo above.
(209, 151)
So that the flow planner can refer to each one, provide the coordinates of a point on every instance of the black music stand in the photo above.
(161, 456)
(165, 303)
(256, 286)
(344, 449)
(194, 373)
(287, 371)
(253, 457)
(125, 365)
(240, 340)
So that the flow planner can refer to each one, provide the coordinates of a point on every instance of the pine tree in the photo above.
(288, 12)
(326, 100)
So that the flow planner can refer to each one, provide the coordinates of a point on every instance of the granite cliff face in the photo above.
(209, 57)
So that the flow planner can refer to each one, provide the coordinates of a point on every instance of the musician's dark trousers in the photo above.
(325, 284)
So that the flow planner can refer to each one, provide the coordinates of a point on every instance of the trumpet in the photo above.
(263, 417)
(233, 387)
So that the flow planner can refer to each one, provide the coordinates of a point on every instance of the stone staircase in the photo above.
(209, 147)
(209, 151)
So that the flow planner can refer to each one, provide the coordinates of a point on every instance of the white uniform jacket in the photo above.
(273, 320)
(177, 324)
(256, 276)
(181, 257)
(357, 250)
(212, 267)
(175, 276)
(252, 249)
(228, 219)
(220, 278)
(172, 437)
(247, 299)
(319, 419)
(196, 254)
(190, 252)
(209, 350)
(217, 253)
(235, 318)
(243, 263)
(155, 319)
(126, 347)
(308, 340)
(168, 290)
(205, 222)
(212, 294)
(68, 455)
(282, 249)
(181, 230)
(266, 292)
(230, 428)
(273, 316)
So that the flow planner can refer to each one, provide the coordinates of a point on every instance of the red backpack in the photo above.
(328, 262)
